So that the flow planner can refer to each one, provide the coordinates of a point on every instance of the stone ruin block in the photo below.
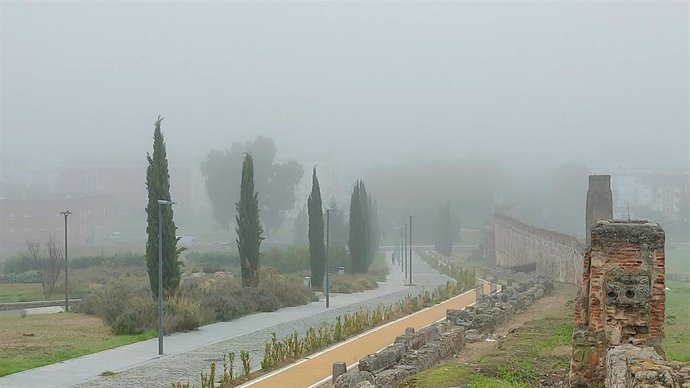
(631, 366)
(353, 378)
(621, 298)
(386, 358)
(415, 340)
(394, 376)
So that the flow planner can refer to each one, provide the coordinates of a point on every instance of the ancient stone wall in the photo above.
(621, 298)
(554, 255)
(416, 351)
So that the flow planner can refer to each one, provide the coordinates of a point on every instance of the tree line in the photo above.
(364, 230)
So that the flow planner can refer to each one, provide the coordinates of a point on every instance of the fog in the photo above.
(483, 105)
(528, 84)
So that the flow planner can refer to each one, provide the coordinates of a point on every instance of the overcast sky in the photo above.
(521, 82)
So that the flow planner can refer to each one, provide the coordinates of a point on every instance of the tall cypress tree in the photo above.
(158, 187)
(317, 248)
(359, 229)
(249, 229)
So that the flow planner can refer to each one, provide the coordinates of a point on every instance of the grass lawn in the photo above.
(677, 325)
(37, 340)
(25, 292)
(678, 261)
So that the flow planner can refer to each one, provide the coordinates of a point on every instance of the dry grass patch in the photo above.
(24, 292)
(37, 340)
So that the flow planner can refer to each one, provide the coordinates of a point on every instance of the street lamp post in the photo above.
(328, 224)
(161, 202)
(66, 213)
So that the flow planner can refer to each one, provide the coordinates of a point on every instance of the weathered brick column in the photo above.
(622, 295)
(599, 201)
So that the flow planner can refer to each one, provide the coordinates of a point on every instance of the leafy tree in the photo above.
(359, 229)
(158, 186)
(444, 230)
(317, 248)
(275, 182)
(249, 229)
(301, 227)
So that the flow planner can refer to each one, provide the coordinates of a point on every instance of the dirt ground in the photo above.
(550, 307)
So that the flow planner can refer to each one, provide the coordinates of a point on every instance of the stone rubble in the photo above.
(629, 366)
(416, 351)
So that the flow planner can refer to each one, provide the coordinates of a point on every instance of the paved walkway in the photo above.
(187, 354)
(313, 369)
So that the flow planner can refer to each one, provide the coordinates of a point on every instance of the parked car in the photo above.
(187, 241)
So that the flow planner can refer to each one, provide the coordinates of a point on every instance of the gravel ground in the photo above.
(187, 366)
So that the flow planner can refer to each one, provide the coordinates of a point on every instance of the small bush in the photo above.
(222, 307)
(86, 261)
(30, 276)
(347, 284)
(256, 299)
(126, 323)
(181, 314)
(108, 303)
(128, 259)
(16, 265)
(292, 259)
(212, 262)
(289, 290)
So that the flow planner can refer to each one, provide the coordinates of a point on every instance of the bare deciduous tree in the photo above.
(48, 265)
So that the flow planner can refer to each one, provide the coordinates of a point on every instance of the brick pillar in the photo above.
(599, 201)
(622, 299)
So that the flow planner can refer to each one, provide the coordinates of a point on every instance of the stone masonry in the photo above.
(521, 246)
(599, 201)
(629, 366)
(416, 351)
(621, 298)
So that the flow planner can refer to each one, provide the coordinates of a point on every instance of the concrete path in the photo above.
(187, 354)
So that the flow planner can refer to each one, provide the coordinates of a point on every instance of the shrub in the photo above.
(30, 276)
(347, 284)
(106, 302)
(292, 259)
(289, 290)
(86, 261)
(181, 314)
(126, 323)
(221, 307)
(257, 299)
(126, 311)
(128, 259)
(16, 265)
(213, 261)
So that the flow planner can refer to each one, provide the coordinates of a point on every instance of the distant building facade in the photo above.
(636, 191)
(35, 219)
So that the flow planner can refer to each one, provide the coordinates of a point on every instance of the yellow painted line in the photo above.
(313, 369)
